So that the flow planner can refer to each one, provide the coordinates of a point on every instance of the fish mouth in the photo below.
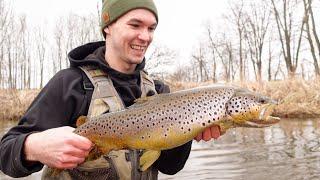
(265, 119)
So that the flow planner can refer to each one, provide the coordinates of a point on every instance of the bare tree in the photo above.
(212, 50)
(58, 53)
(284, 20)
(159, 59)
(256, 27)
(24, 53)
(237, 18)
(313, 24)
(223, 49)
(307, 13)
(11, 54)
(41, 51)
(200, 63)
(182, 73)
(6, 19)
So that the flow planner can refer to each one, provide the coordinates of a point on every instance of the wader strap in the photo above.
(104, 97)
(147, 84)
(149, 174)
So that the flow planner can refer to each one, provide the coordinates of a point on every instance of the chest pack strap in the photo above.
(147, 84)
(104, 98)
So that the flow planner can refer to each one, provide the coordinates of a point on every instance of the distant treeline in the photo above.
(258, 40)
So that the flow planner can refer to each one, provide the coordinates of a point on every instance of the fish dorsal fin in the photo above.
(142, 101)
(81, 120)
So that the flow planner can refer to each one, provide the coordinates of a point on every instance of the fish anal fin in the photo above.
(81, 120)
(148, 158)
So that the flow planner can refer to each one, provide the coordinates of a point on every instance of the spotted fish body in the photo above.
(166, 121)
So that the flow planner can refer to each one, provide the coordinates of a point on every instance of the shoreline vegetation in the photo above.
(299, 98)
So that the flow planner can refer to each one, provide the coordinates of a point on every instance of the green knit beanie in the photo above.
(113, 9)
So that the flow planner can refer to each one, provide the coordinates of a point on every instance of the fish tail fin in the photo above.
(148, 158)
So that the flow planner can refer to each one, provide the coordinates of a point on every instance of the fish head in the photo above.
(249, 109)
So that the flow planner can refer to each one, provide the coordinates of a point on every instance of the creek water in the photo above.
(288, 150)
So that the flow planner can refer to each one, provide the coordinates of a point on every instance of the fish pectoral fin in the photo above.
(148, 158)
(52, 172)
(94, 154)
(81, 120)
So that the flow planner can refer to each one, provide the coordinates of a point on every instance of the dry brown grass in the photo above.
(298, 98)
(15, 102)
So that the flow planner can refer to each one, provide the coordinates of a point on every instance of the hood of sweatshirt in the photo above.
(127, 85)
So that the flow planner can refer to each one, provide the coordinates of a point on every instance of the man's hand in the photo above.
(209, 133)
(58, 148)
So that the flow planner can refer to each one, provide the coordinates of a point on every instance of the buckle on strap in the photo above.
(87, 86)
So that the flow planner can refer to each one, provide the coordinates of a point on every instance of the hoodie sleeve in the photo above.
(53, 107)
(173, 160)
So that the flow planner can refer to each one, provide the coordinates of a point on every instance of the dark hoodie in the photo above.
(64, 99)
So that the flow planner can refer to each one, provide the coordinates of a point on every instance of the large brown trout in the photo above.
(166, 121)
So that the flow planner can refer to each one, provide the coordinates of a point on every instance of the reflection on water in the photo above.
(288, 150)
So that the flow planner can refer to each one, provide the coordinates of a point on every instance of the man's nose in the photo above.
(145, 35)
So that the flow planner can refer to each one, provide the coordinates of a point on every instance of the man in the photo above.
(44, 135)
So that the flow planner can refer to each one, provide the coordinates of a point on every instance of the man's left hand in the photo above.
(209, 133)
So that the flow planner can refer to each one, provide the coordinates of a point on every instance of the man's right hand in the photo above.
(58, 148)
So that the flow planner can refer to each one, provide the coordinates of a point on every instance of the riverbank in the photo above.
(15, 102)
(299, 98)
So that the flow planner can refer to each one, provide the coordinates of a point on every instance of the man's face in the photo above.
(130, 36)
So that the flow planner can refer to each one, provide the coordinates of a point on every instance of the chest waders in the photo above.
(121, 164)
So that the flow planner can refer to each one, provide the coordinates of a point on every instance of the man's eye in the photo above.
(134, 25)
(152, 29)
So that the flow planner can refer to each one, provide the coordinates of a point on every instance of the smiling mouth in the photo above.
(138, 48)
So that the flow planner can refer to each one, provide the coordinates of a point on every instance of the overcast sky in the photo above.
(180, 21)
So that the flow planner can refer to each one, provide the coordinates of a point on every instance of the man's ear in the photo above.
(106, 30)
